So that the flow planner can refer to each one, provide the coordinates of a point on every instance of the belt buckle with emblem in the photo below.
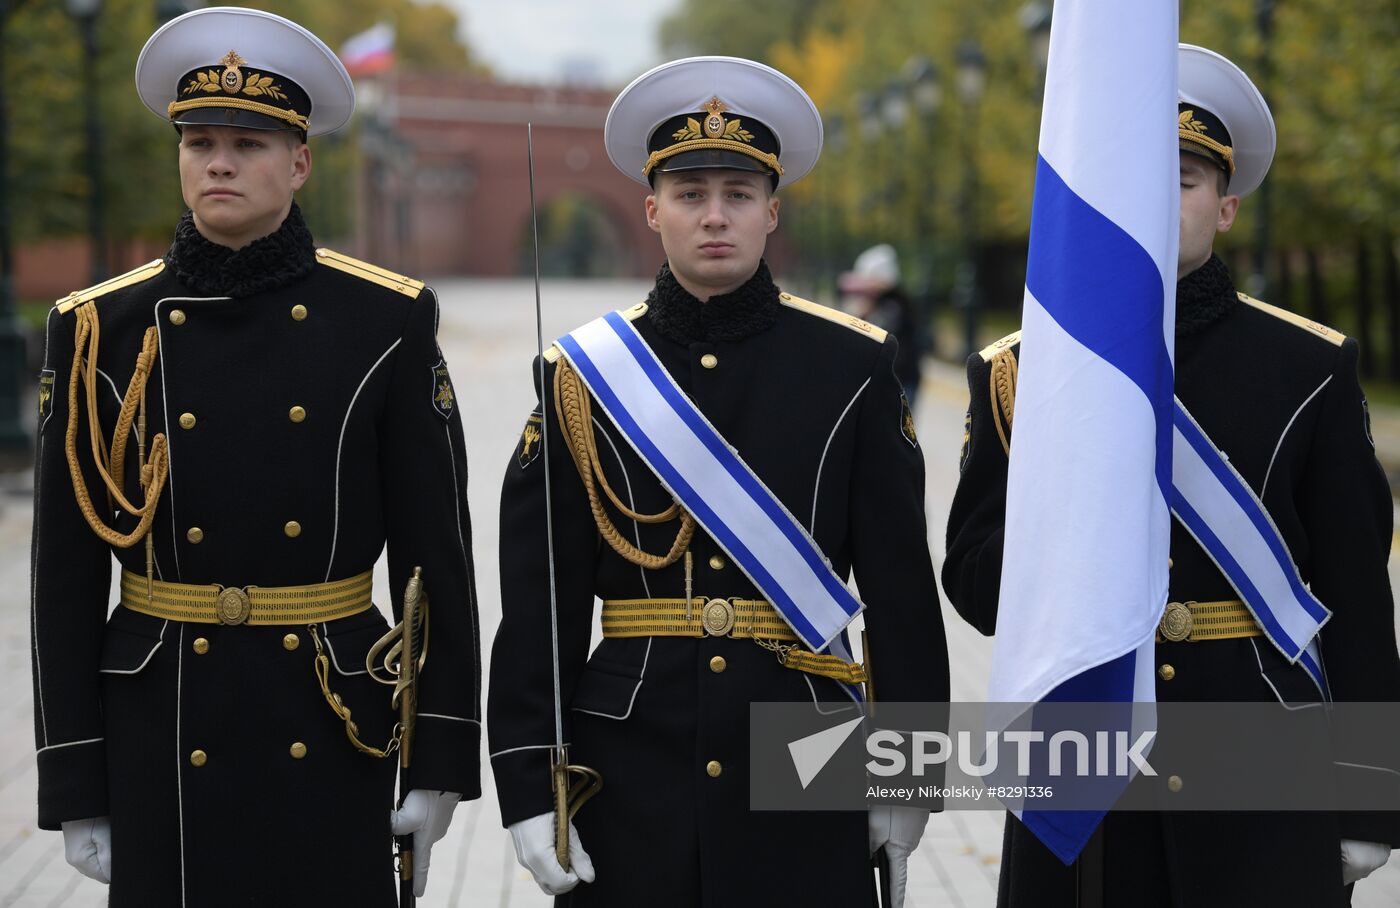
(233, 605)
(717, 617)
(1177, 622)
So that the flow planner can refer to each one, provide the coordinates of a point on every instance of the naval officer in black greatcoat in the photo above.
(244, 423)
(808, 398)
(1279, 395)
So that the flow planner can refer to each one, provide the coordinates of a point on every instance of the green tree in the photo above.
(46, 81)
(737, 28)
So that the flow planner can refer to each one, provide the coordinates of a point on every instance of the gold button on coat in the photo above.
(195, 535)
(299, 312)
(714, 769)
(709, 360)
(1174, 783)
(716, 562)
(1166, 672)
(201, 645)
(177, 316)
(198, 758)
(292, 529)
(296, 414)
(297, 750)
(187, 420)
(717, 664)
(291, 642)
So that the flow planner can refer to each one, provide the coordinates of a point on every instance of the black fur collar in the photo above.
(746, 311)
(286, 255)
(1204, 297)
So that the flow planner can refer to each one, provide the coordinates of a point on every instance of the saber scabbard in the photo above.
(397, 659)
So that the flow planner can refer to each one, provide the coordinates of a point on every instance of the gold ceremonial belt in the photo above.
(741, 619)
(1196, 621)
(267, 605)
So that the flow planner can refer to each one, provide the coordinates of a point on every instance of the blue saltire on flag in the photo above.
(1088, 522)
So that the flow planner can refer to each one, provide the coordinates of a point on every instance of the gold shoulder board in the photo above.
(833, 315)
(552, 353)
(135, 276)
(996, 347)
(372, 273)
(1330, 335)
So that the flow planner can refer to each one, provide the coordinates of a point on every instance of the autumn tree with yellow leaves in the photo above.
(895, 171)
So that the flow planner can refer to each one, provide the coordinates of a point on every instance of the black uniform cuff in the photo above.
(72, 783)
(522, 784)
(447, 757)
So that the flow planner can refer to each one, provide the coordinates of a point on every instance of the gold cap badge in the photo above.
(232, 78)
(714, 123)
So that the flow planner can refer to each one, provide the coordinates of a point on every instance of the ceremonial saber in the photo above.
(566, 801)
(879, 861)
(414, 642)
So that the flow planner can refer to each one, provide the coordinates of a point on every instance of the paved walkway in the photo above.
(487, 333)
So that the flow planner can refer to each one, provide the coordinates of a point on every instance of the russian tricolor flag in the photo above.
(370, 52)
(1088, 526)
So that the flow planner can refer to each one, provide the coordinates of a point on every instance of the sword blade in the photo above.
(544, 449)
(559, 759)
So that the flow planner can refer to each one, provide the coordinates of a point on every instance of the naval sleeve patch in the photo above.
(967, 441)
(444, 398)
(530, 440)
(906, 421)
(46, 380)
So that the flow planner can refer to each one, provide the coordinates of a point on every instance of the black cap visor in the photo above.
(1201, 151)
(228, 116)
(712, 159)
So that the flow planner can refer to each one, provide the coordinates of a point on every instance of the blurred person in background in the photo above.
(872, 291)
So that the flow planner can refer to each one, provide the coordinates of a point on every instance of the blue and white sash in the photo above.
(1218, 508)
(708, 478)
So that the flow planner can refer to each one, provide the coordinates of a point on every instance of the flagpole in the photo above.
(1089, 872)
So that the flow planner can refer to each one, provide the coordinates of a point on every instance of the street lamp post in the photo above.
(828, 202)
(894, 115)
(972, 79)
(14, 440)
(926, 95)
(1035, 21)
(1259, 281)
(871, 127)
(85, 12)
(171, 9)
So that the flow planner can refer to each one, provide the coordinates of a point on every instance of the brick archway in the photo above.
(462, 205)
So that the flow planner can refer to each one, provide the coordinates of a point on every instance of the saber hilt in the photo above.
(572, 785)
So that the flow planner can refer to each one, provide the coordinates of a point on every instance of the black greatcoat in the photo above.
(1279, 395)
(809, 399)
(121, 704)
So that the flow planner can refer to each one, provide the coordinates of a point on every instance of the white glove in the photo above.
(897, 830)
(534, 849)
(1359, 859)
(426, 814)
(87, 845)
